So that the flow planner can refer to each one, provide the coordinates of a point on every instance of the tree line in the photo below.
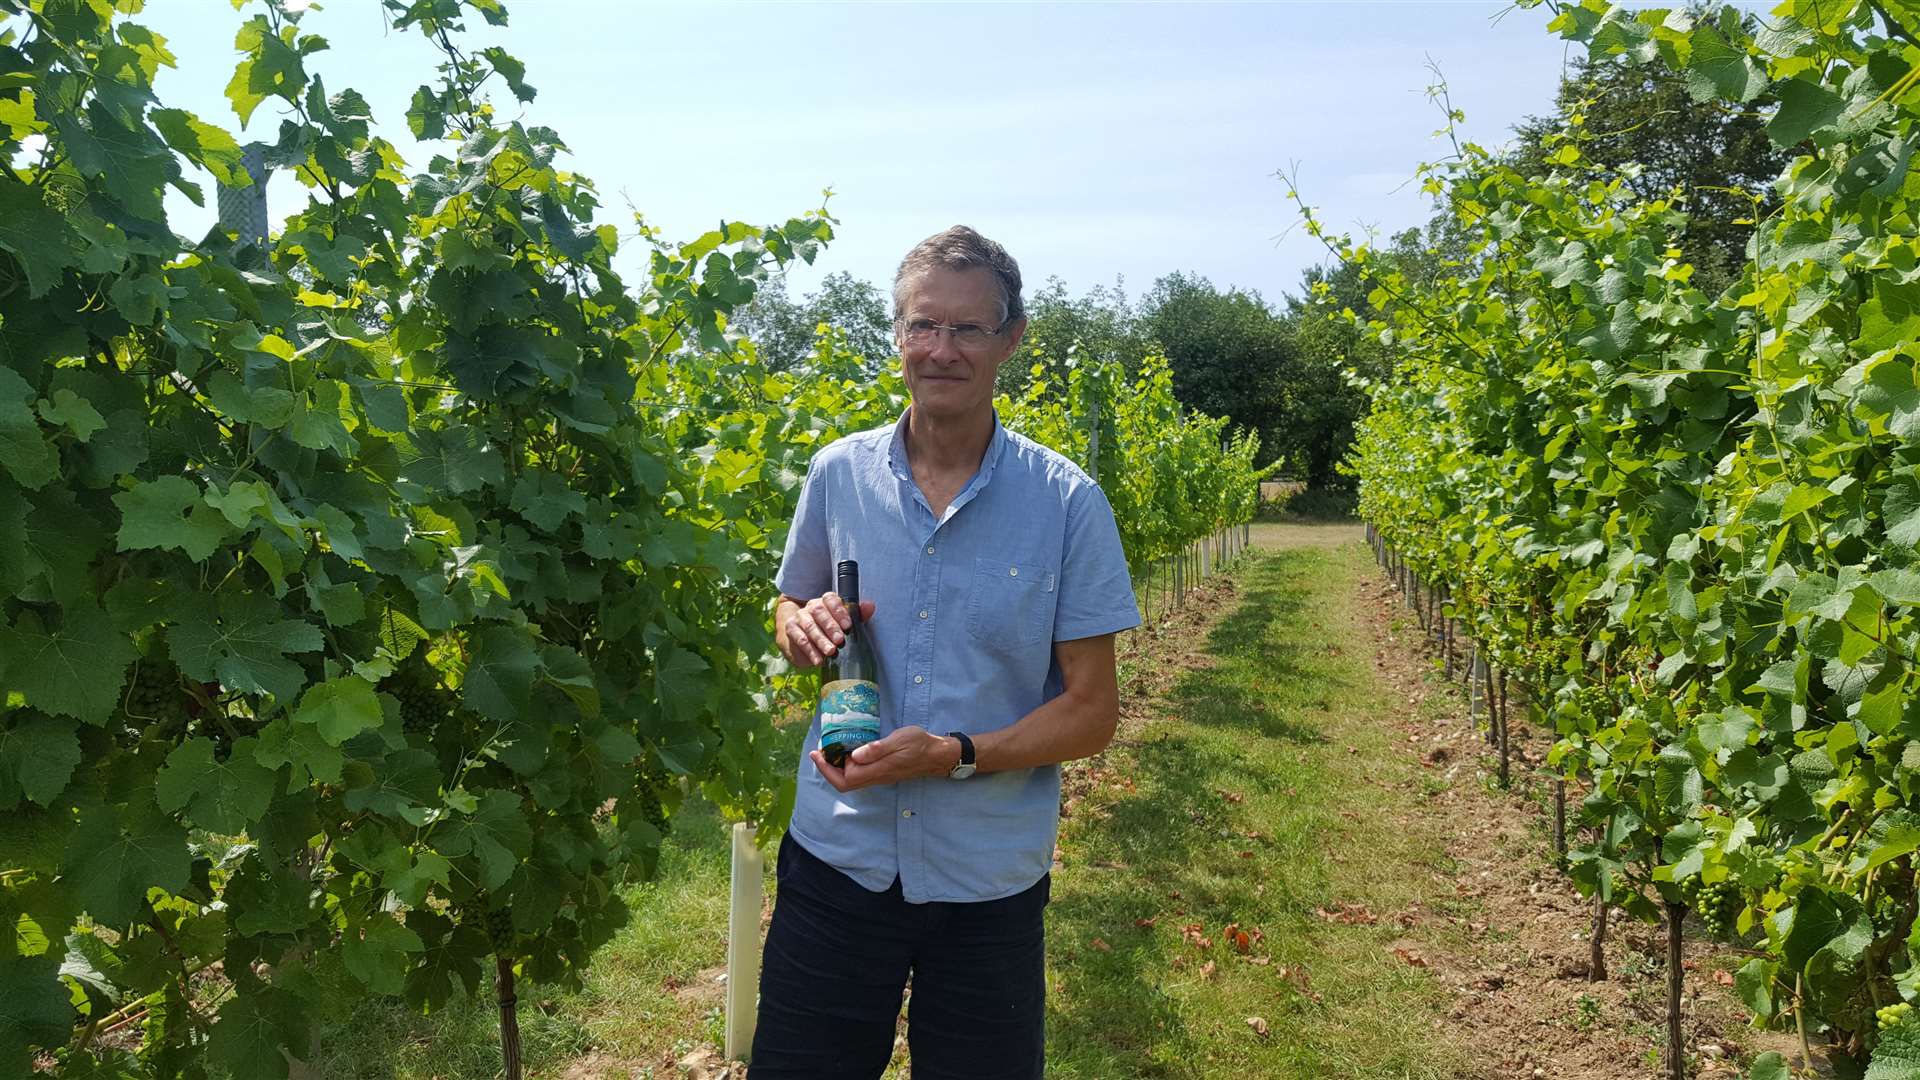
(1272, 369)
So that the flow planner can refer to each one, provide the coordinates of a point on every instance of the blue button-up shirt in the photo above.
(966, 609)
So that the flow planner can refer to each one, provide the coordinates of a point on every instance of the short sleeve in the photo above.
(1096, 590)
(806, 569)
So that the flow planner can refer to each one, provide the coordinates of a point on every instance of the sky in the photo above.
(1095, 140)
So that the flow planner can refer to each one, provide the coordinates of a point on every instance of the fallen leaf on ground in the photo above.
(1101, 945)
(1412, 958)
(1146, 922)
(1347, 914)
(1206, 970)
(1258, 1025)
(1723, 978)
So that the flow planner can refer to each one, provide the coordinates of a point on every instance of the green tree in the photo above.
(1230, 353)
(784, 329)
(1645, 124)
(1101, 325)
(1328, 319)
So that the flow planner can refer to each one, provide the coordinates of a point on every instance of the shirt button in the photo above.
(1013, 571)
(923, 613)
(919, 678)
(906, 813)
(929, 549)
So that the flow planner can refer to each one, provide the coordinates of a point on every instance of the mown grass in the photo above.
(1259, 789)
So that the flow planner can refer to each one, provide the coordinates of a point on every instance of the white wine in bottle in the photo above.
(849, 694)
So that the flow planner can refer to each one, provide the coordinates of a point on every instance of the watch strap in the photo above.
(965, 768)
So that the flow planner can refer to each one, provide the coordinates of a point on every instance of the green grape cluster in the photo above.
(651, 781)
(1718, 905)
(156, 701)
(500, 928)
(1891, 1015)
(423, 702)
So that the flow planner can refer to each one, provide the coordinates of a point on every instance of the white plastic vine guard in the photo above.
(743, 941)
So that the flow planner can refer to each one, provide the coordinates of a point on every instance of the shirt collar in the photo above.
(897, 451)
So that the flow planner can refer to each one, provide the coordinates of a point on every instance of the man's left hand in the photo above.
(906, 753)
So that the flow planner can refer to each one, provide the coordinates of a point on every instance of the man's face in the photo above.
(947, 375)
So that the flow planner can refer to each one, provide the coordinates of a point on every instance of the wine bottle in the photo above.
(849, 696)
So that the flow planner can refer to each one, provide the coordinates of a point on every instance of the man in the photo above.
(992, 584)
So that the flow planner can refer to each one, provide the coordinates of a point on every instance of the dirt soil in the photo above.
(1523, 1001)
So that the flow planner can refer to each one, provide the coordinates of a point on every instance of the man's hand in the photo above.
(809, 633)
(906, 753)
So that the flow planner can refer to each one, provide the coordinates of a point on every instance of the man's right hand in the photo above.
(807, 633)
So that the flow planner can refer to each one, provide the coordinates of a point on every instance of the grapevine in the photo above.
(1688, 521)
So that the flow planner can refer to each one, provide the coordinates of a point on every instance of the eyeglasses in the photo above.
(965, 335)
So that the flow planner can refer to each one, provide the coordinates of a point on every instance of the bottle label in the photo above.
(849, 713)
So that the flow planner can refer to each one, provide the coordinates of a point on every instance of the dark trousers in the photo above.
(837, 961)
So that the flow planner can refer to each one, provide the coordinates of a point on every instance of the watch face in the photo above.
(960, 772)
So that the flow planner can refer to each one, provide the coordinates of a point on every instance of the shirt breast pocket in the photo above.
(1010, 605)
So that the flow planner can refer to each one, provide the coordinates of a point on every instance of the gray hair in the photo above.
(961, 248)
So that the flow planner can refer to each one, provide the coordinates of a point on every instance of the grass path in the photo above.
(1252, 787)
(1258, 791)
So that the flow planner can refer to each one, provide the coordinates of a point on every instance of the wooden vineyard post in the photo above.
(1500, 717)
(509, 1017)
(1474, 700)
(1483, 675)
(1676, 989)
(1093, 440)
(1597, 954)
(1560, 820)
(1446, 627)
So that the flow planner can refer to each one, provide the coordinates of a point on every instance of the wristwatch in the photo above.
(965, 768)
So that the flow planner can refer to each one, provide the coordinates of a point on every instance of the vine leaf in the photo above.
(500, 677)
(1718, 69)
(37, 235)
(1901, 509)
(23, 450)
(1897, 1055)
(398, 633)
(169, 513)
(313, 759)
(37, 756)
(397, 786)
(678, 678)
(340, 708)
(73, 412)
(243, 642)
(1805, 107)
(450, 962)
(118, 853)
(218, 796)
(75, 670)
(35, 1010)
(496, 834)
(207, 145)
(379, 952)
(254, 1028)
